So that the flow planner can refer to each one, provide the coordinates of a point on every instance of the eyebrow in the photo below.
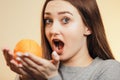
(59, 13)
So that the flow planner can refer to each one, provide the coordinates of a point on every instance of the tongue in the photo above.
(59, 48)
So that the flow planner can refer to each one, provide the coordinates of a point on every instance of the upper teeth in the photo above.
(59, 44)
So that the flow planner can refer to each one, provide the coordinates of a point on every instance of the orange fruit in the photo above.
(28, 46)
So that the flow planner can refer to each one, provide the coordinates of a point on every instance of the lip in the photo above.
(55, 48)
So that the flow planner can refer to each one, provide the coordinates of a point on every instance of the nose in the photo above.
(55, 29)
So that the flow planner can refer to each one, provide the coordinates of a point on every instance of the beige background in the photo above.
(21, 19)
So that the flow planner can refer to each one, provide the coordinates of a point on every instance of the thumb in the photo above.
(55, 58)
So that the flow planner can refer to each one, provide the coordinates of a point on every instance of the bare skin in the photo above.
(60, 21)
(31, 65)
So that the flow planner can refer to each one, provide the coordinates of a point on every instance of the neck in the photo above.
(81, 59)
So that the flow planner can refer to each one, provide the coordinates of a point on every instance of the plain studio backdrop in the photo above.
(21, 19)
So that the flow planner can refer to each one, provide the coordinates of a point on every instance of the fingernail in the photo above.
(11, 52)
(20, 65)
(26, 54)
(19, 54)
(55, 53)
(18, 59)
(11, 61)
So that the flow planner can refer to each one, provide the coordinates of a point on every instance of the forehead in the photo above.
(59, 6)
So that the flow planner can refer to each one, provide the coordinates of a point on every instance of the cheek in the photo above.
(75, 35)
(47, 34)
(78, 36)
(75, 30)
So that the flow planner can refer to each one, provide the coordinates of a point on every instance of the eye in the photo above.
(48, 21)
(65, 20)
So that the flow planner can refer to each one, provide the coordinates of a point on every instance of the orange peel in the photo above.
(28, 46)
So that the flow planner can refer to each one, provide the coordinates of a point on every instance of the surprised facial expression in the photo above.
(64, 29)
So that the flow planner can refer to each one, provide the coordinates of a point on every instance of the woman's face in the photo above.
(65, 29)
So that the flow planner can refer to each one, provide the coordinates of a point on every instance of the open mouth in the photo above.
(58, 45)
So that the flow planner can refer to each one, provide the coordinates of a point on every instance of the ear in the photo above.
(88, 31)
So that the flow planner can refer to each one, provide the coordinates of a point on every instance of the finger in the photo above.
(34, 64)
(34, 69)
(14, 66)
(55, 58)
(35, 59)
(24, 72)
(28, 64)
(13, 62)
(8, 55)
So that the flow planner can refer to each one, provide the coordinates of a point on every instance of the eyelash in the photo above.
(49, 21)
(66, 20)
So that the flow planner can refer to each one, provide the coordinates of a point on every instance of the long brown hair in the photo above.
(97, 41)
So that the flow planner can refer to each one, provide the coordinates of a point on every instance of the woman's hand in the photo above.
(39, 67)
(14, 66)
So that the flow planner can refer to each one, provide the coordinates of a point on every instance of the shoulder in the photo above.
(111, 63)
(106, 64)
(110, 70)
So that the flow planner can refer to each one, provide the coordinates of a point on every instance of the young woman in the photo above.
(74, 45)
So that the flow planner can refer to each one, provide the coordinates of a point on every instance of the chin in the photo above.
(63, 58)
